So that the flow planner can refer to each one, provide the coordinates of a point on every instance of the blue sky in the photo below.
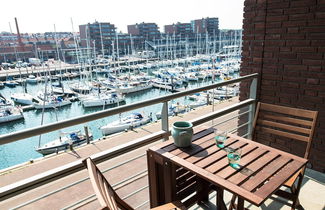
(41, 15)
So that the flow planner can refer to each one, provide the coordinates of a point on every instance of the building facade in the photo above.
(149, 31)
(182, 29)
(206, 25)
(100, 35)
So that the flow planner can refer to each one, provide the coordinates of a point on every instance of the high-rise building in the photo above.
(148, 31)
(101, 35)
(183, 29)
(209, 25)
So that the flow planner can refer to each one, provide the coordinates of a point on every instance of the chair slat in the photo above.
(283, 126)
(287, 119)
(287, 110)
(282, 133)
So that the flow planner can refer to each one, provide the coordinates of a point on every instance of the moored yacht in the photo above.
(129, 122)
(74, 138)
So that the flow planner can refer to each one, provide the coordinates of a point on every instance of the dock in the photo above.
(55, 69)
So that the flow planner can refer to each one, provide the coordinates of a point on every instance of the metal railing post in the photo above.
(164, 119)
(87, 134)
(252, 95)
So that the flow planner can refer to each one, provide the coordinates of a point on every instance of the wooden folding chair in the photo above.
(280, 123)
(106, 195)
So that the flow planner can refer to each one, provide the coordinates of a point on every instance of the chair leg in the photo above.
(295, 191)
(232, 202)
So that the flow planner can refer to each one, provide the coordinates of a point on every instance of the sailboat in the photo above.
(174, 109)
(131, 121)
(66, 139)
(23, 98)
(102, 99)
(8, 112)
(49, 100)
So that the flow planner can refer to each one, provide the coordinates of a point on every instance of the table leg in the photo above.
(153, 181)
(220, 202)
(240, 205)
(169, 181)
(202, 189)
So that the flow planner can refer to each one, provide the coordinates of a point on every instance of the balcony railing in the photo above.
(19, 187)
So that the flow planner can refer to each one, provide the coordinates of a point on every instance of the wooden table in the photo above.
(177, 173)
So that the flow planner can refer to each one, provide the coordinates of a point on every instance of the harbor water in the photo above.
(24, 150)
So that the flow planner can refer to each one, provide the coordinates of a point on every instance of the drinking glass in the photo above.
(234, 156)
(220, 137)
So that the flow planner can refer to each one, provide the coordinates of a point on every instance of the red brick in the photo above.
(259, 25)
(315, 68)
(290, 61)
(310, 93)
(305, 16)
(312, 62)
(285, 49)
(303, 3)
(295, 67)
(320, 15)
(310, 99)
(317, 56)
(316, 35)
(293, 36)
(273, 25)
(304, 49)
(297, 43)
(318, 43)
(292, 23)
(317, 22)
(293, 78)
(289, 55)
(289, 85)
(321, 50)
(275, 11)
(271, 49)
(300, 10)
(276, 18)
(273, 36)
(274, 42)
(273, 5)
(312, 29)
(312, 81)
(293, 30)
(275, 30)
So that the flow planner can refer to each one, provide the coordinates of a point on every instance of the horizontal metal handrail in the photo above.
(75, 183)
(73, 167)
(54, 174)
(18, 135)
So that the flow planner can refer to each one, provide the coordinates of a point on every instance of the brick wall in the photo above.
(284, 41)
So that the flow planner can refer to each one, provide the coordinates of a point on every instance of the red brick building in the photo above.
(284, 41)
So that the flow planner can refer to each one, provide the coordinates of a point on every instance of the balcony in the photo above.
(61, 182)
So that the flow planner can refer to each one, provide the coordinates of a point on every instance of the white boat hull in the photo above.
(114, 128)
(60, 144)
(133, 89)
(15, 114)
(22, 98)
(51, 105)
(101, 102)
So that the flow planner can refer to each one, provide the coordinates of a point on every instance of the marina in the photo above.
(52, 107)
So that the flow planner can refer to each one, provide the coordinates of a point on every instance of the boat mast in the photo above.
(101, 39)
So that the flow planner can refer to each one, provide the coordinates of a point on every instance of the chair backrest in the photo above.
(106, 195)
(291, 123)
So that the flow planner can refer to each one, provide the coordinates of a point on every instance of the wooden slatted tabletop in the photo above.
(262, 169)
